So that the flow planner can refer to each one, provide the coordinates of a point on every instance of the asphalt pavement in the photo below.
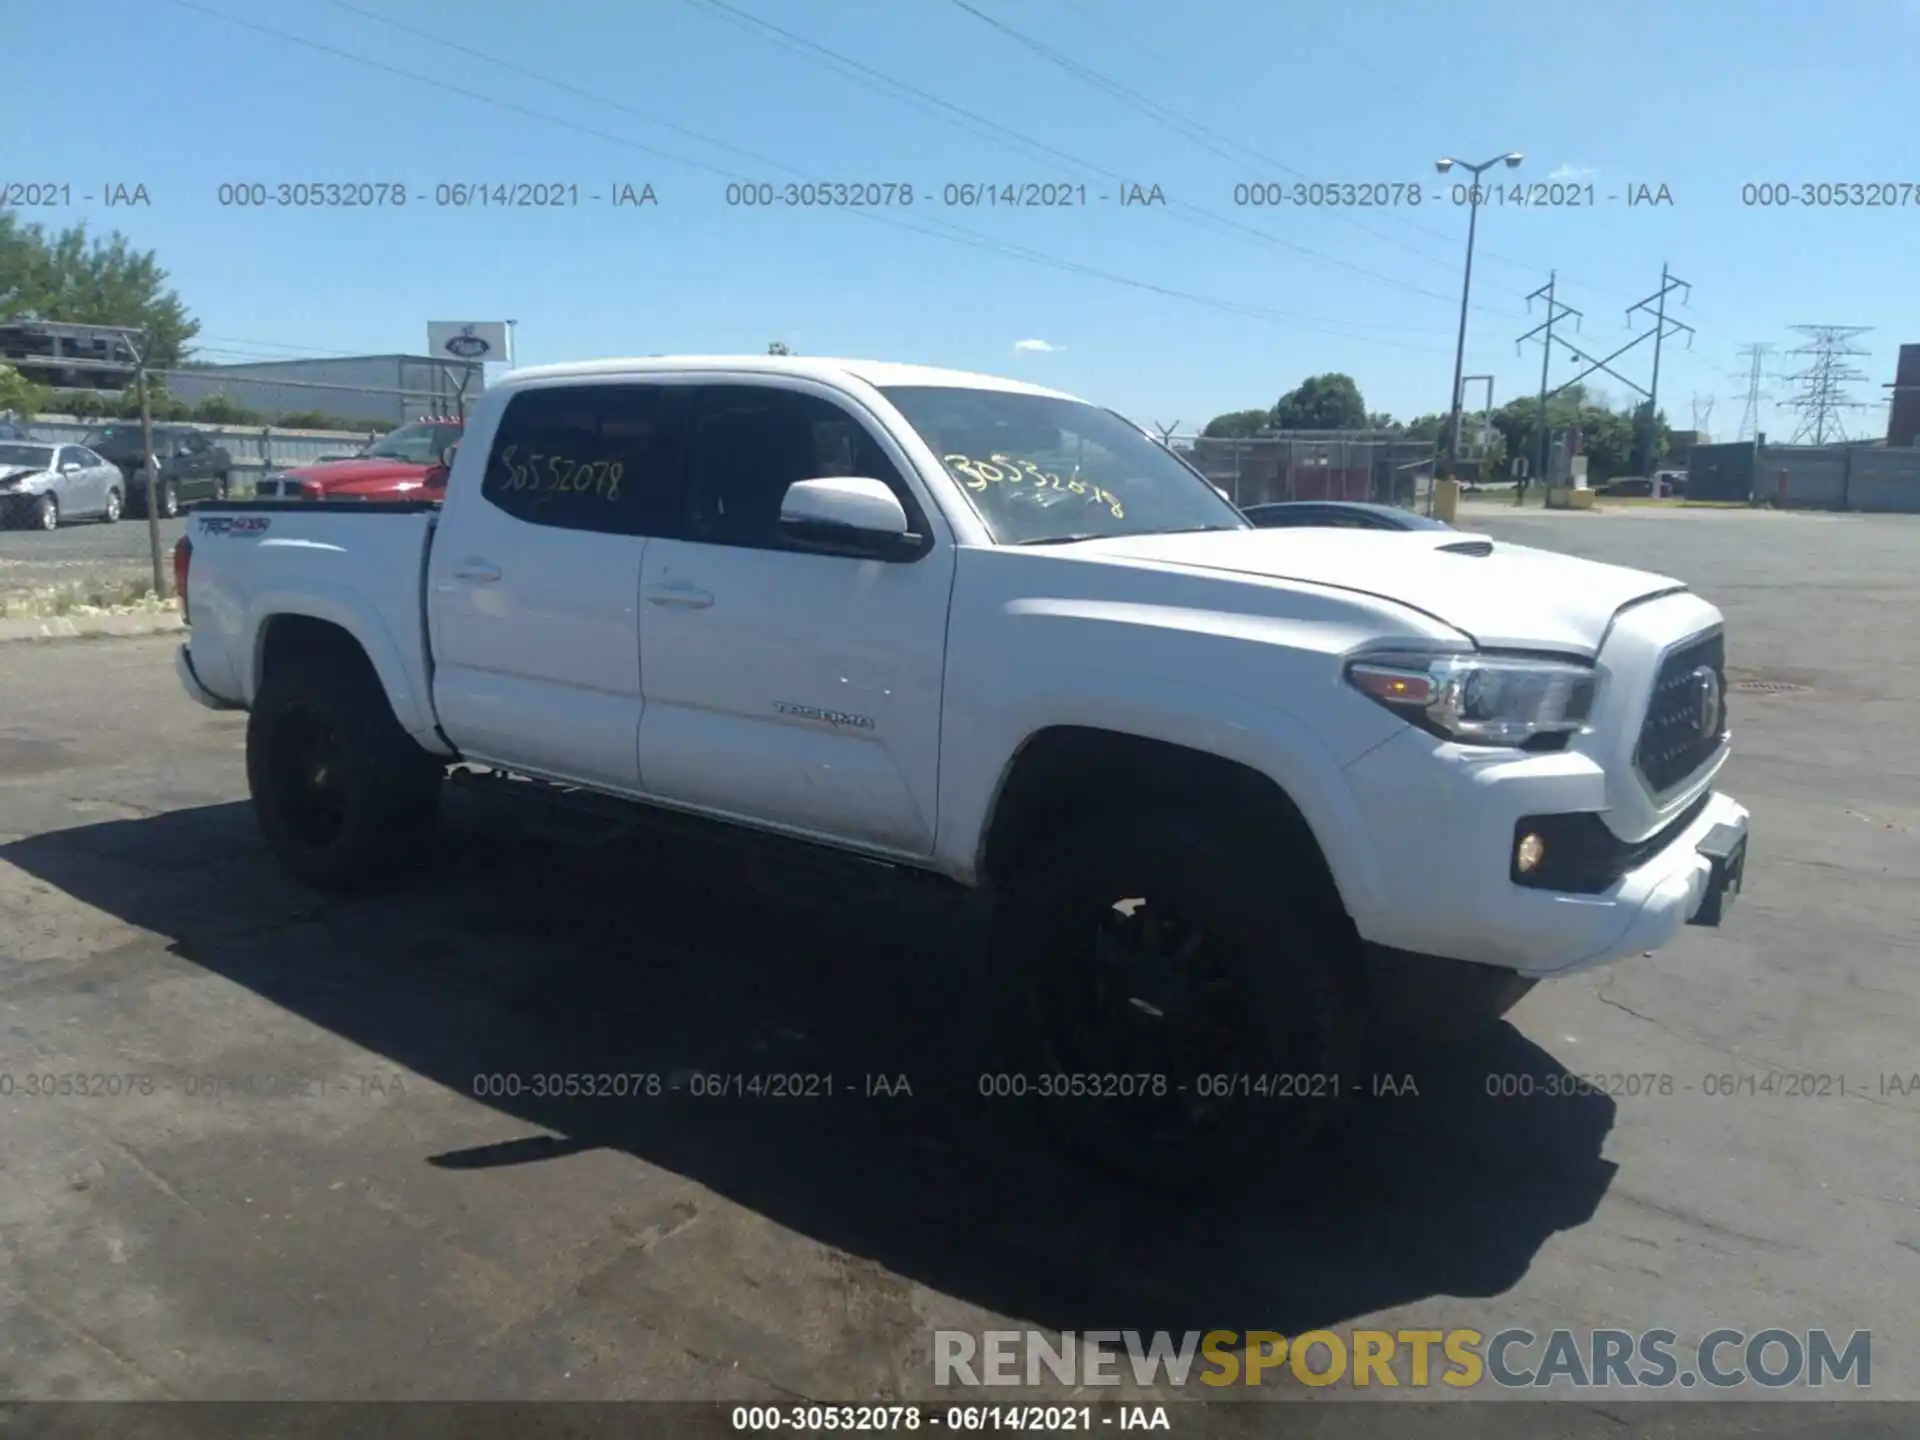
(322, 1171)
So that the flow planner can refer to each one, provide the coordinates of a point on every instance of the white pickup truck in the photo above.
(1234, 793)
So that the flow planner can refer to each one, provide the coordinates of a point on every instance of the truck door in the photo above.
(790, 688)
(534, 578)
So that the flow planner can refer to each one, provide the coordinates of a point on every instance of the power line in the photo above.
(1750, 417)
(1186, 125)
(1822, 394)
(992, 129)
(950, 232)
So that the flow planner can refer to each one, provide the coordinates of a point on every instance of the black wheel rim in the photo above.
(1149, 992)
(308, 779)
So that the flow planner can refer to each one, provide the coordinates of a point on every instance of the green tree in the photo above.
(1426, 427)
(82, 404)
(19, 395)
(220, 409)
(779, 347)
(1322, 402)
(65, 276)
(1238, 424)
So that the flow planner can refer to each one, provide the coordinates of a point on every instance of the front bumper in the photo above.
(1442, 824)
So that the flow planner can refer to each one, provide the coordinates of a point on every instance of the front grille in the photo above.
(267, 487)
(1686, 715)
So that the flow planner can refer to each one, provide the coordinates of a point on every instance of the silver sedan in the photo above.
(42, 485)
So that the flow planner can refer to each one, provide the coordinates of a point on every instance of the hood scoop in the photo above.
(1471, 545)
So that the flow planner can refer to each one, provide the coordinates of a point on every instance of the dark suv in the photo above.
(191, 466)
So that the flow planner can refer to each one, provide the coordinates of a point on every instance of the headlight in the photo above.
(1478, 699)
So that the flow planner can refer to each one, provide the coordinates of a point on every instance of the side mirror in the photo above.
(849, 515)
(446, 455)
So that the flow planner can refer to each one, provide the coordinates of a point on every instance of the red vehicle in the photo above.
(406, 464)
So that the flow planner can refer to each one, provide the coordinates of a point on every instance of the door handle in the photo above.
(478, 571)
(687, 597)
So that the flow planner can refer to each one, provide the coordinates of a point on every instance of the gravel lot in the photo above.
(82, 555)
(313, 1202)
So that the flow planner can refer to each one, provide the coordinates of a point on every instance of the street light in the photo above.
(1444, 164)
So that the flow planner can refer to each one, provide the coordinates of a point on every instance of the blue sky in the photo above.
(1702, 98)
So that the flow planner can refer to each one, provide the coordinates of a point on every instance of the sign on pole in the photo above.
(483, 340)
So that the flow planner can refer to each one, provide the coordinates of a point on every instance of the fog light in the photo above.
(1528, 854)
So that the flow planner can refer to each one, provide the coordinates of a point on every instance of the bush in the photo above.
(81, 404)
(219, 409)
(320, 420)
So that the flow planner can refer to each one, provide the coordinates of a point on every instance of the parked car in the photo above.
(405, 464)
(1339, 514)
(1234, 796)
(192, 467)
(43, 485)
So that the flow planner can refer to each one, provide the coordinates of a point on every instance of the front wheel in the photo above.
(345, 798)
(1183, 1003)
(46, 513)
(111, 514)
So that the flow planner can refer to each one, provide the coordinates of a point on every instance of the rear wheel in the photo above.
(1185, 1007)
(346, 799)
(169, 500)
(46, 513)
(222, 484)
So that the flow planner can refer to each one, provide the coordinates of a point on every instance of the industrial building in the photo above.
(373, 388)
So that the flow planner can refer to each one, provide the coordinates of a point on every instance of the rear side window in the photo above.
(605, 458)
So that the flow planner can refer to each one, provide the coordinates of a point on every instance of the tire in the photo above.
(222, 485)
(345, 798)
(46, 513)
(1284, 1001)
(112, 513)
(169, 500)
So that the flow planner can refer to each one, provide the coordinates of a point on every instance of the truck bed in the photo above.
(357, 564)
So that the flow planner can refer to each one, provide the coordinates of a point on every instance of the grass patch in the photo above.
(91, 597)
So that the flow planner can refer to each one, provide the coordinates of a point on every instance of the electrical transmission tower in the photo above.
(1644, 440)
(1823, 383)
(1756, 354)
(1703, 413)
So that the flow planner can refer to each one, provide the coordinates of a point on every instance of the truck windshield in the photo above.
(417, 444)
(1040, 469)
(122, 441)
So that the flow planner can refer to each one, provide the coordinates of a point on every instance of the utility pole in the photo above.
(1822, 396)
(137, 342)
(1644, 440)
(1750, 417)
(1555, 313)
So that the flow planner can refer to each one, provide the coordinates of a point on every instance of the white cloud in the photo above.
(1037, 347)
(1572, 172)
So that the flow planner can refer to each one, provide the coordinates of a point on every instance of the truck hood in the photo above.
(1501, 596)
(10, 473)
(358, 477)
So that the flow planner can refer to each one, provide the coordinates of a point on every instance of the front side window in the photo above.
(750, 442)
(604, 458)
(1042, 470)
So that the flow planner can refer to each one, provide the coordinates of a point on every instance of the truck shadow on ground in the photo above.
(522, 959)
